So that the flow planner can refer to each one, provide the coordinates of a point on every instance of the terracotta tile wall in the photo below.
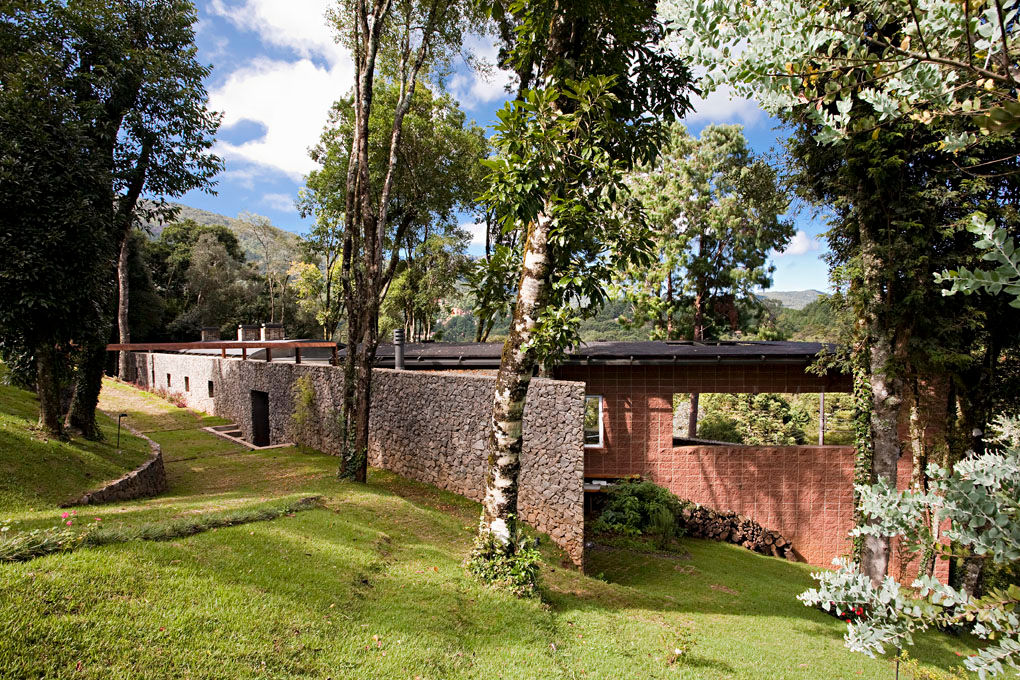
(804, 492)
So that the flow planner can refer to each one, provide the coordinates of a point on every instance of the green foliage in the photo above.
(979, 503)
(304, 402)
(641, 509)
(513, 568)
(851, 69)
(760, 419)
(815, 322)
(719, 427)
(20, 546)
(714, 212)
(998, 244)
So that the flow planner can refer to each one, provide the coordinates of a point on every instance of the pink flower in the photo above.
(68, 522)
(99, 519)
(65, 515)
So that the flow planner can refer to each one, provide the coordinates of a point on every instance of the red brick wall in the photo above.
(804, 492)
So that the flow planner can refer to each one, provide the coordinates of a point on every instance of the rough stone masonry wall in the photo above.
(428, 426)
(148, 479)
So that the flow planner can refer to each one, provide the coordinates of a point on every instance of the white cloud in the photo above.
(281, 202)
(472, 88)
(477, 231)
(722, 106)
(801, 244)
(290, 97)
(292, 101)
(299, 25)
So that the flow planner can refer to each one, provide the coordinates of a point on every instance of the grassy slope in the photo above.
(38, 471)
(372, 587)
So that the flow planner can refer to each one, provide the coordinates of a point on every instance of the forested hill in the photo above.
(286, 242)
(792, 299)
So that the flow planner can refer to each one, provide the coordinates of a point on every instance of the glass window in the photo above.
(593, 420)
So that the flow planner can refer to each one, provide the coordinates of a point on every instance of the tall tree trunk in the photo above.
(886, 391)
(123, 295)
(363, 396)
(48, 389)
(89, 380)
(669, 305)
(87, 385)
(348, 405)
(499, 508)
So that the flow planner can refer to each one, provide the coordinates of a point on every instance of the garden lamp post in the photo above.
(122, 415)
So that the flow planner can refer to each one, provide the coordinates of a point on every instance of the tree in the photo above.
(169, 258)
(364, 149)
(852, 66)
(275, 271)
(51, 181)
(429, 274)
(125, 77)
(214, 279)
(602, 89)
(893, 200)
(715, 212)
(757, 419)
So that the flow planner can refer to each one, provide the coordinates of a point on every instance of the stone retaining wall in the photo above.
(428, 426)
(149, 479)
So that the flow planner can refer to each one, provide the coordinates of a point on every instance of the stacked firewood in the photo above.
(729, 527)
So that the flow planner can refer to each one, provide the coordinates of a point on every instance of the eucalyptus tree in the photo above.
(601, 89)
(852, 66)
(395, 43)
(716, 215)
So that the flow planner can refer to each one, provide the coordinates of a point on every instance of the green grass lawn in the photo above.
(371, 585)
(37, 471)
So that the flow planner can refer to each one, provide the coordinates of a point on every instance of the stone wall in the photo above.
(429, 426)
(149, 479)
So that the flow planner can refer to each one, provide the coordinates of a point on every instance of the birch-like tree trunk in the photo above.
(499, 508)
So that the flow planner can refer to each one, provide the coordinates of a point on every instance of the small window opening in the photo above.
(593, 430)
(187, 384)
(168, 380)
(212, 389)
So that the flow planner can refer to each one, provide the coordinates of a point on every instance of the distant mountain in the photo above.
(794, 299)
(285, 242)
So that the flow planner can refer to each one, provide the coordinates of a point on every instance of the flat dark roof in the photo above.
(487, 355)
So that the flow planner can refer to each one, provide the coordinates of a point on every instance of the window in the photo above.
(168, 380)
(212, 389)
(593, 420)
(187, 384)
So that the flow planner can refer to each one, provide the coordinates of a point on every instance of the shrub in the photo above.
(494, 563)
(641, 509)
(175, 398)
(720, 428)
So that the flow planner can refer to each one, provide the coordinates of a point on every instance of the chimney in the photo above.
(398, 349)
(273, 331)
(247, 332)
(210, 333)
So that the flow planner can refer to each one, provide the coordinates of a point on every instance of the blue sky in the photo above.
(277, 70)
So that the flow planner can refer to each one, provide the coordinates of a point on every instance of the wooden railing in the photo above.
(224, 345)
